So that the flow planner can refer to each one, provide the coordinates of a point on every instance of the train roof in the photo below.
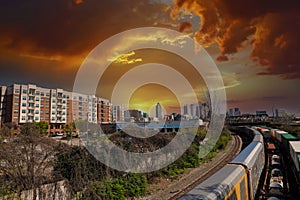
(216, 186)
(289, 137)
(281, 132)
(276, 185)
(295, 145)
(271, 146)
(258, 137)
(249, 155)
(273, 198)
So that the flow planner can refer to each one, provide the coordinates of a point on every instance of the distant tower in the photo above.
(185, 110)
(192, 113)
(158, 111)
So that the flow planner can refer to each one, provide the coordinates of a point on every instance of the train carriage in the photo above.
(295, 155)
(286, 138)
(230, 182)
(253, 159)
(278, 134)
(257, 136)
(238, 179)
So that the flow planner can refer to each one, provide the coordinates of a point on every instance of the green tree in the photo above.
(42, 127)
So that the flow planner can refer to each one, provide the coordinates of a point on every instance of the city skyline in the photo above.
(255, 50)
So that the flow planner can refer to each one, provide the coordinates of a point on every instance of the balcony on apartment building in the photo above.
(59, 95)
(31, 99)
(59, 108)
(31, 106)
(30, 119)
(31, 92)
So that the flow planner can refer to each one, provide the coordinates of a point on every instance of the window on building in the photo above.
(36, 112)
(53, 107)
(37, 105)
(23, 118)
(16, 104)
(15, 118)
(42, 94)
(37, 99)
(47, 100)
(24, 91)
(23, 111)
(42, 112)
(47, 118)
(74, 98)
(47, 94)
(47, 112)
(47, 105)
(16, 111)
(23, 97)
(42, 118)
(42, 99)
(36, 118)
(17, 91)
(42, 105)
(37, 92)
(16, 97)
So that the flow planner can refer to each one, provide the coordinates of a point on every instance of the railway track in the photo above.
(235, 148)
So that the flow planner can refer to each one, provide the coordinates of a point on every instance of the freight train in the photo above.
(239, 179)
(289, 147)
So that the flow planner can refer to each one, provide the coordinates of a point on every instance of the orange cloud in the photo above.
(269, 26)
(78, 1)
(185, 26)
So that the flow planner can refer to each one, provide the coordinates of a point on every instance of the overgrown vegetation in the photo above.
(191, 159)
(88, 178)
(26, 160)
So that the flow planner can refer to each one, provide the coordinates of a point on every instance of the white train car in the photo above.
(295, 154)
(238, 179)
(278, 134)
(253, 158)
(230, 182)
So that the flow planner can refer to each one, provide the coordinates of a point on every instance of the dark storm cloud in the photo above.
(272, 27)
(45, 41)
(69, 27)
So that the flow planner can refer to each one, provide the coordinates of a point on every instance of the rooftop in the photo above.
(295, 145)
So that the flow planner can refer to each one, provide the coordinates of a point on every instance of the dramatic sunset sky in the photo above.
(255, 43)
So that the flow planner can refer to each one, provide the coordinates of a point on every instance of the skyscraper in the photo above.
(158, 111)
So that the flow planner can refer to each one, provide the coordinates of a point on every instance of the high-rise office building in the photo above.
(158, 111)
(118, 113)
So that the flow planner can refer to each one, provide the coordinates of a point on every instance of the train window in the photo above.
(233, 196)
(243, 189)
